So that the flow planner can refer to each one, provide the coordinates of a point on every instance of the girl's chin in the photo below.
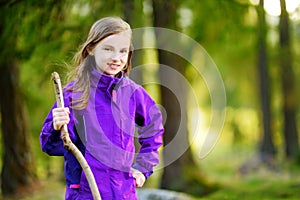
(108, 72)
(111, 73)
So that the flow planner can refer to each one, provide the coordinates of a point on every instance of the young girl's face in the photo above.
(111, 53)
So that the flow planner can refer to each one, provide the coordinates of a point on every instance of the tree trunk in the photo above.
(267, 147)
(288, 86)
(133, 14)
(182, 174)
(18, 169)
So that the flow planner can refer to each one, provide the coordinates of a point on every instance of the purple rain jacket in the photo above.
(104, 132)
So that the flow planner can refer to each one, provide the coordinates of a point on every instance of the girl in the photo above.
(103, 107)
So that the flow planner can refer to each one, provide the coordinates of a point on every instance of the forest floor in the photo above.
(259, 182)
(220, 168)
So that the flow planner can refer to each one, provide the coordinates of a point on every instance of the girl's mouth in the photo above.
(113, 66)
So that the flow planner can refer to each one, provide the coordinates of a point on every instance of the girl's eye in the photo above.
(124, 51)
(107, 49)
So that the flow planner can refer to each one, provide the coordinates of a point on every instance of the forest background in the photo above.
(254, 46)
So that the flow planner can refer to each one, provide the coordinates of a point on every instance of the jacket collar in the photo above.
(101, 80)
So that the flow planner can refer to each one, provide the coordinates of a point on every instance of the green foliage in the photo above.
(226, 32)
(44, 35)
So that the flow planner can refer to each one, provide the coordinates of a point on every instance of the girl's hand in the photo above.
(60, 117)
(139, 177)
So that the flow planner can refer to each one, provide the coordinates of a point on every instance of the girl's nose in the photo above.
(116, 56)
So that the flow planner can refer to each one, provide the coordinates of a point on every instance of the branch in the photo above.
(68, 144)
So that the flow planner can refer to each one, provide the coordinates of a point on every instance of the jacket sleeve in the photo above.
(50, 139)
(150, 129)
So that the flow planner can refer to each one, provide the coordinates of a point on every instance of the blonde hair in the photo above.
(84, 62)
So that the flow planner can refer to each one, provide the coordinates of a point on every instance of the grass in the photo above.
(258, 188)
(46, 190)
(260, 183)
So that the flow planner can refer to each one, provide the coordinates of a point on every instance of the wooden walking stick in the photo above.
(68, 144)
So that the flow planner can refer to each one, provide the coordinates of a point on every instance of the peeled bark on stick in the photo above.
(68, 144)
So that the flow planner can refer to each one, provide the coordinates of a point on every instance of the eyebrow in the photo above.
(107, 45)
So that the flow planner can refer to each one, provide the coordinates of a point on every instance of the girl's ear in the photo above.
(90, 50)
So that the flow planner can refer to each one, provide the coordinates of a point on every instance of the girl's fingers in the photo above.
(139, 177)
(139, 180)
(61, 111)
(60, 117)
